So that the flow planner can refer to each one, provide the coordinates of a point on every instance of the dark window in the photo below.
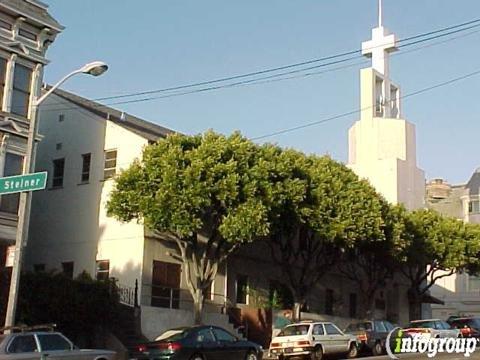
(388, 325)
(242, 289)
(21, 90)
(110, 164)
(58, 146)
(13, 166)
(27, 34)
(318, 330)
(166, 284)
(204, 336)
(67, 269)
(51, 342)
(380, 304)
(86, 158)
(380, 327)
(61, 117)
(3, 72)
(103, 270)
(332, 329)
(5, 25)
(22, 344)
(222, 335)
(58, 171)
(474, 207)
(294, 330)
(353, 305)
(39, 267)
(329, 302)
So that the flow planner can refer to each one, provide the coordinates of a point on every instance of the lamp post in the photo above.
(95, 69)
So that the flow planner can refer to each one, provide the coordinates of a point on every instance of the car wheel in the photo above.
(251, 355)
(317, 353)
(377, 349)
(196, 357)
(352, 352)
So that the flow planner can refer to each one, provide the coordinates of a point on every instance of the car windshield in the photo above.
(295, 330)
(362, 326)
(172, 335)
(422, 324)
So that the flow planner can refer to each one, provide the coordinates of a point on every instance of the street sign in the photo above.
(21, 183)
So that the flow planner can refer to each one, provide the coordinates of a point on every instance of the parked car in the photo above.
(38, 345)
(432, 328)
(198, 343)
(468, 326)
(313, 339)
(371, 334)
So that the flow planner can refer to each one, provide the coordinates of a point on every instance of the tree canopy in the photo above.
(207, 193)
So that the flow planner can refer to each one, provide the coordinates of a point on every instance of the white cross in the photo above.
(380, 46)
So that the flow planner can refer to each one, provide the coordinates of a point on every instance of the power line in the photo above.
(281, 76)
(335, 117)
(289, 66)
(296, 71)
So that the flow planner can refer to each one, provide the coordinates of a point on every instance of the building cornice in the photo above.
(31, 17)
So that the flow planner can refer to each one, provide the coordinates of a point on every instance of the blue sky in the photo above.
(154, 44)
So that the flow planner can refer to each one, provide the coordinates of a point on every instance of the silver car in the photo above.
(41, 345)
(312, 339)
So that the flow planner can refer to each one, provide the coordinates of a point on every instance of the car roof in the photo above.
(425, 320)
(309, 322)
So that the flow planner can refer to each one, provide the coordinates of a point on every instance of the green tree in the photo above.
(206, 193)
(371, 263)
(320, 209)
(434, 247)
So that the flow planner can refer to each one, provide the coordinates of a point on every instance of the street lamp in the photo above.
(95, 68)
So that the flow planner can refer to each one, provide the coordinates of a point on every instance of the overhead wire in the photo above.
(446, 32)
(289, 66)
(356, 111)
(282, 76)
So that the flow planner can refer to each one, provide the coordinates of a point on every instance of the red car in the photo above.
(468, 326)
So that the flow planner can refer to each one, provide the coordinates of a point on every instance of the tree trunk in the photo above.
(297, 309)
(197, 306)
(369, 301)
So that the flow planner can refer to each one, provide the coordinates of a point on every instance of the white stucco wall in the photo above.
(70, 223)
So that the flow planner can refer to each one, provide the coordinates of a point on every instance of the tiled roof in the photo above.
(33, 9)
(146, 129)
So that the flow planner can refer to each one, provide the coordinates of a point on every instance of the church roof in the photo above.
(143, 128)
(33, 10)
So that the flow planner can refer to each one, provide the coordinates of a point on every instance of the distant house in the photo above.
(460, 292)
(84, 146)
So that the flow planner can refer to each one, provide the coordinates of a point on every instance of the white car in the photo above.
(432, 328)
(313, 339)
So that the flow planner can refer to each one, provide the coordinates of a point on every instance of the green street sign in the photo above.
(21, 183)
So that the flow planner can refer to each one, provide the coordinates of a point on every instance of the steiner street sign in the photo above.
(21, 183)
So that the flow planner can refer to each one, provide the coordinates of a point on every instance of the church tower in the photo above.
(382, 145)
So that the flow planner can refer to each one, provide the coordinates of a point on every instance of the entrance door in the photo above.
(166, 284)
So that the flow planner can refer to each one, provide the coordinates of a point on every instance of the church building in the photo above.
(382, 145)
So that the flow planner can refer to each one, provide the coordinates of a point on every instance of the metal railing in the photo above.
(128, 295)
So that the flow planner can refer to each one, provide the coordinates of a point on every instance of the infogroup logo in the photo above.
(399, 342)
